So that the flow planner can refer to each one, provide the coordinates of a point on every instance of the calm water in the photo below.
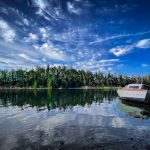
(71, 119)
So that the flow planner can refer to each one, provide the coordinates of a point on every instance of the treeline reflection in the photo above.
(52, 99)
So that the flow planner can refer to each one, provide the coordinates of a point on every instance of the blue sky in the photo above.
(110, 36)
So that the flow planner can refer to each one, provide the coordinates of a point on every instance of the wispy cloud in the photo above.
(100, 40)
(31, 37)
(13, 55)
(121, 50)
(125, 49)
(48, 10)
(41, 4)
(51, 52)
(4, 10)
(17, 16)
(43, 32)
(26, 21)
(42, 8)
(72, 9)
(145, 43)
(103, 65)
(109, 60)
(69, 32)
(145, 65)
(16, 62)
(7, 33)
(25, 56)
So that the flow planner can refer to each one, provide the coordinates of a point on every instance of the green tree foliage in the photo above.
(63, 77)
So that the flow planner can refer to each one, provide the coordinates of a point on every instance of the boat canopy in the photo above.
(137, 86)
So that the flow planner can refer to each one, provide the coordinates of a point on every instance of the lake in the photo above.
(71, 119)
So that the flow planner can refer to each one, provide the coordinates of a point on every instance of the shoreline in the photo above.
(30, 88)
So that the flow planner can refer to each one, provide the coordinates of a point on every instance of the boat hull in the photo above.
(135, 95)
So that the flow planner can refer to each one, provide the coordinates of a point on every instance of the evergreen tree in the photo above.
(56, 77)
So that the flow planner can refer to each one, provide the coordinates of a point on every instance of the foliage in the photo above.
(63, 77)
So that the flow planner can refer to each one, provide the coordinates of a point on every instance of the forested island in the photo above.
(63, 77)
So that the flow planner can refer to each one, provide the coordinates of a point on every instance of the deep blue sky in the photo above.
(106, 35)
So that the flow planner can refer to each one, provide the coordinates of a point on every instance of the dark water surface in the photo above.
(71, 119)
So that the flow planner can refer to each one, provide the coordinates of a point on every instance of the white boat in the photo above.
(136, 92)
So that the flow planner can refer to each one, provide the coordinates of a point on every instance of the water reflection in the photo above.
(71, 119)
(52, 99)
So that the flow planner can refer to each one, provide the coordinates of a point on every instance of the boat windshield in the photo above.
(134, 87)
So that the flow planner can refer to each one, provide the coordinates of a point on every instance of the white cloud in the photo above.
(94, 65)
(25, 56)
(145, 43)
(13, 55)
(7, 33)
(43, 9)
(100, 40)
(48, 10)
(51, 52)
(43, 14)
(99, 54)
(106, 65)
(43, 32)
(15, 62)
(75, 36)
(7, 60)
(125, 49)
(72, 9)
(43, 59)
(42, 4)
(145, 65)
(109, 60)
(26, 21)
(31, 37)
(121, 50)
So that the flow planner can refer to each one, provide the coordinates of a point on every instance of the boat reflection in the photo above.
(134, 109)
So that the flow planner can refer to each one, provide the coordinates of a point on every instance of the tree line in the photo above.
(63, 77)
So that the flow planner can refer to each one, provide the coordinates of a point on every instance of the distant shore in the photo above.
(45, 88)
